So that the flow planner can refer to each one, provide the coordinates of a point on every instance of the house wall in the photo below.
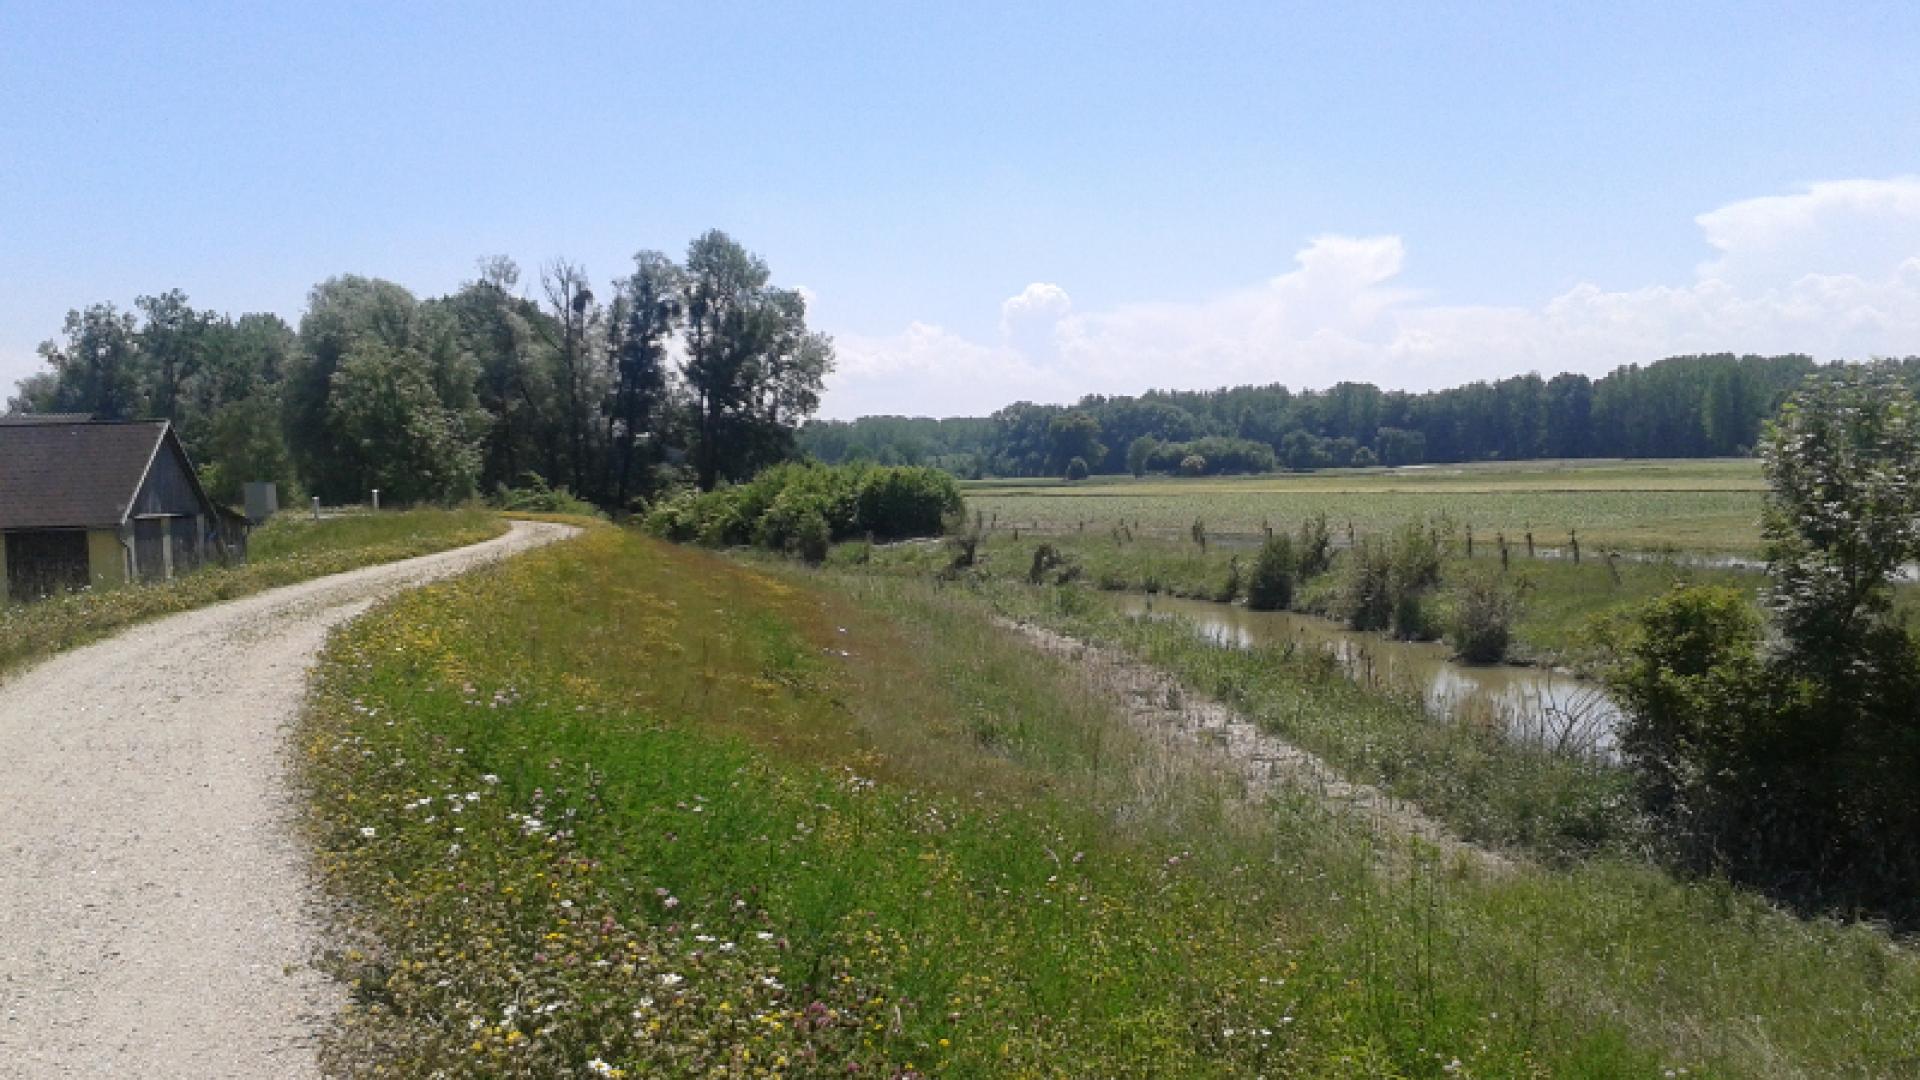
(106, 557)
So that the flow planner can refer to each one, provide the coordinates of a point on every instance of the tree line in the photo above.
(695, 370)
(1682, 406)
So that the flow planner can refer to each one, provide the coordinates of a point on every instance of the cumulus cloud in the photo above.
(1038, 301)
(1832, 270)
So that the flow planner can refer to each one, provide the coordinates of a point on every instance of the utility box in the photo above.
(263, 500)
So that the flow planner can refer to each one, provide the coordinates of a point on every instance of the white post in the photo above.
(316, 508)
(376, 499)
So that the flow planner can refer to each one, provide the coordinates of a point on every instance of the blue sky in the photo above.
(997, 201)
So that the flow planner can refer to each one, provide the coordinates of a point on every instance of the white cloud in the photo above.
(1833, 270)
(1040, 300)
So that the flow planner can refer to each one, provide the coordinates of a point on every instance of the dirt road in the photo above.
(155, 919)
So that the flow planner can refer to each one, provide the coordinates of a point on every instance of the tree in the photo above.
(171, 348)
(1792, 759)
(572, 335)
(1074, 435)
(343, 314)
(646, 312)
(752, 366)
(98, 369)
(1140, 453)
(497, 328)
(1842, 516)
(402, 438)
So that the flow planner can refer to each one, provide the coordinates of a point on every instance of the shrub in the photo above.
(1366, 598)
(534, 496)
(1077, 469)
(1045, 558)
(810, 538)
(1193, 465)
(1480, 624)
(1271, 587)
(1413, 570)
(1315, 553)
(775, 509)
(1230, 589)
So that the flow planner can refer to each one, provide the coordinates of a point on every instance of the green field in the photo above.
(1689, 505)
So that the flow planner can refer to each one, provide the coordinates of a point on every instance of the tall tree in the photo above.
(646, 312)
(576, 319)
(753, 368)
(97, 370)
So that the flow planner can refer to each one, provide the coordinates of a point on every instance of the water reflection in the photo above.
(1552, 708)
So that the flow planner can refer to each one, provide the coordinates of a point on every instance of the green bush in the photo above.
(534, 496)
(1271, 587)
(1387, 582)
(1366, 598)
(1077, 469)
(1480, 622)
(777, 508)
(1193, 465)
(1315, 553)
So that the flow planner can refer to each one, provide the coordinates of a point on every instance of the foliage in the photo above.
(535, 496)
(1271, 586)
(785, 507)
(1193, 465)
(1797, 765)
(1315, 554)
(1842, 517)
(1074, 435)
(1480, 618)
(1077, 469)
(433, 399)
(1683, 406)
(753, 368)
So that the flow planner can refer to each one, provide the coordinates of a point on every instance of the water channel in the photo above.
(1542, 705)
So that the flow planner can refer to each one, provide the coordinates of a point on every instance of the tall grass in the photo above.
(639, 810)
(288, 549)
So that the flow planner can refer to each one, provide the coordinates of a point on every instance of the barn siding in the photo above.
(168, 488)
(6, 586)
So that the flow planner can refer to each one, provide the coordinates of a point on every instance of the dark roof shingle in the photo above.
(68, 475)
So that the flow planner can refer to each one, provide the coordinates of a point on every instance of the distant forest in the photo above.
(697, 371)
(1683, 406)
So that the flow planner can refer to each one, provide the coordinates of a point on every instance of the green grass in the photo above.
(1563, 600)
(1705, 506)
(713, 819)
(288, 549)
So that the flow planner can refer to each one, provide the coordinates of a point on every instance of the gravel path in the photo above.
(155, 917)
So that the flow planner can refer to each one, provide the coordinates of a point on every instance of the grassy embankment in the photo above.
(625, 803)
(1710, 506)
(289, 549)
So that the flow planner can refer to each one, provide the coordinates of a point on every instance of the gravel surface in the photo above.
(156, 918)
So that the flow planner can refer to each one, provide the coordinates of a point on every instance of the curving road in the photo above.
(155, 914)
